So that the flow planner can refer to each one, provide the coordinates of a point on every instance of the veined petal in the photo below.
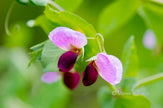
(90, 75)
(67, 60)
(71, 80)
(50, 77)
(109, 67)
(66, 38)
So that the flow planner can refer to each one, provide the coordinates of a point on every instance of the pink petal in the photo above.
(71, 80)
(110, 68)
(90, 75)
(50, 77)
(67, 60)
(66, 38)
(149, 39)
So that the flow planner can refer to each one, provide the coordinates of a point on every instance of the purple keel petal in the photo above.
(110, 68)
(149, 39)
(90, 75)
(71, 80)
(67, 39)
(50, 77)
(67, 60)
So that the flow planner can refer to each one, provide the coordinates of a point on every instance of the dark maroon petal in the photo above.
(89, 75)
(67, 60)
(71, 80)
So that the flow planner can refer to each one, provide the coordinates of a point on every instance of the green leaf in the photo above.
(50, 56)
(107, 100)
(105, 97)
(130, 59)
(23, 1)
(48, 51)
(68, 5)
(45, 24)
(116, 15)
(153, 15)
(128, 84)
(36, 53)
(38, 46)
(39, 2)
(71, 20)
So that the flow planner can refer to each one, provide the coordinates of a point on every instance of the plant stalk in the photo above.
(100, 41)
(149, 80)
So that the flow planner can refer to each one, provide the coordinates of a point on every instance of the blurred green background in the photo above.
(20, 85)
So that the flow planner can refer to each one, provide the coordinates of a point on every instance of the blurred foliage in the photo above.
(130, 58)
(117, 20)
(116, 14)
(122, 101)
(69, 5)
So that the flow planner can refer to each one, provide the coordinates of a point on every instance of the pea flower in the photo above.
(67, 60)
(71, 80)
(50, 77)
(149, 40)
(67, 39)
(71, 41)
(90, 74)
(108, 66)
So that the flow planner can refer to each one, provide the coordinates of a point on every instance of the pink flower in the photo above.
(108, 66)
(50, 77)
(71, 41)
(67, 39)
(149, 39)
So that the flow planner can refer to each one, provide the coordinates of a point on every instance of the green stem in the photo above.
(91, 38)
(55, 5)
(112, 88)
(99, 46)
(149, 80)
(7, 18)
(100, 41)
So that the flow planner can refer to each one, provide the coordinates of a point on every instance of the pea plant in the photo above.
(75, 51)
